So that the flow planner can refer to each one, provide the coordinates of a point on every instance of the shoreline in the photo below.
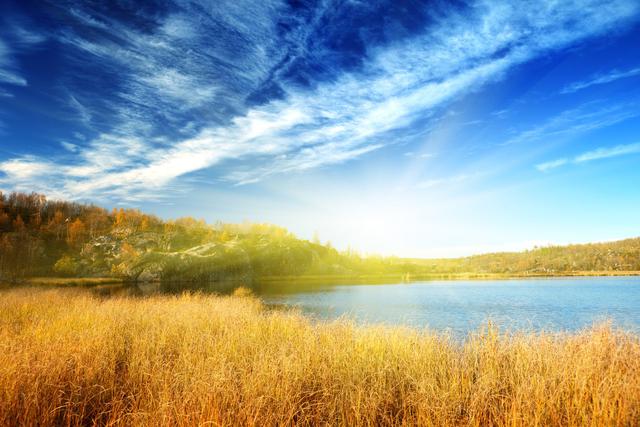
(357, 278)
(445, 276)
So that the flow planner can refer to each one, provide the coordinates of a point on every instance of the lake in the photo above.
(464, 305)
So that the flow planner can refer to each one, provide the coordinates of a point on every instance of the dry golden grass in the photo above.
(67, 358)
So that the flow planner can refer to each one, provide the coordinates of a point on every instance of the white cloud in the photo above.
(26, 38)
(172, 83)
(597, 154)
(546, 166)
(12, 78)
(606, 152)
(87, 19)
(69, 146)
(601, 79)
(17, 170)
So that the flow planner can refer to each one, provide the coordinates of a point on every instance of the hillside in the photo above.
(622, 255)
(39, 237)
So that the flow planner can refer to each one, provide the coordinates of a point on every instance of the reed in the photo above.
(70, 358)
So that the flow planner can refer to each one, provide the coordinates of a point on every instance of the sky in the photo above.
(412, 128)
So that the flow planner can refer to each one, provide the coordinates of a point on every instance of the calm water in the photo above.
(461, 306)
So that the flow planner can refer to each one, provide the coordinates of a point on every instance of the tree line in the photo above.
(41, 237)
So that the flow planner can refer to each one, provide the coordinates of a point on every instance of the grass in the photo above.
(70, 358)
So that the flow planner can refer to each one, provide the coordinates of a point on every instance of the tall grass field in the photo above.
(70, 358)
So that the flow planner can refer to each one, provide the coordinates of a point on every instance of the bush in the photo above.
(66, 266)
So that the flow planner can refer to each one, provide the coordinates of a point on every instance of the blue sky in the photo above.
(409, 128)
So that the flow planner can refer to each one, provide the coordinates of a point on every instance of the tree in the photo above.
(19, 225)
(57, 224)
(5, 221)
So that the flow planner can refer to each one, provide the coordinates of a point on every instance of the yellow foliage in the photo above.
(76, 232)
(144, 224)
(128, 251)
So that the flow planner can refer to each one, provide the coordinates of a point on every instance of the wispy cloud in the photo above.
(8, 70)
(83, 112)
(546, 166)
(597, 154)
(601, 79)
(178, 68)
(201, 59)
(13, 38)
(5, 94)
(501, 113)
(606, 152)
(577, 121)
(25, 168)
(69, 146)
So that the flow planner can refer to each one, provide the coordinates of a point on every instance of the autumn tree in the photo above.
(76, 233)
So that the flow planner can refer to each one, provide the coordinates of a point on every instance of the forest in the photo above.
(51, 238)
